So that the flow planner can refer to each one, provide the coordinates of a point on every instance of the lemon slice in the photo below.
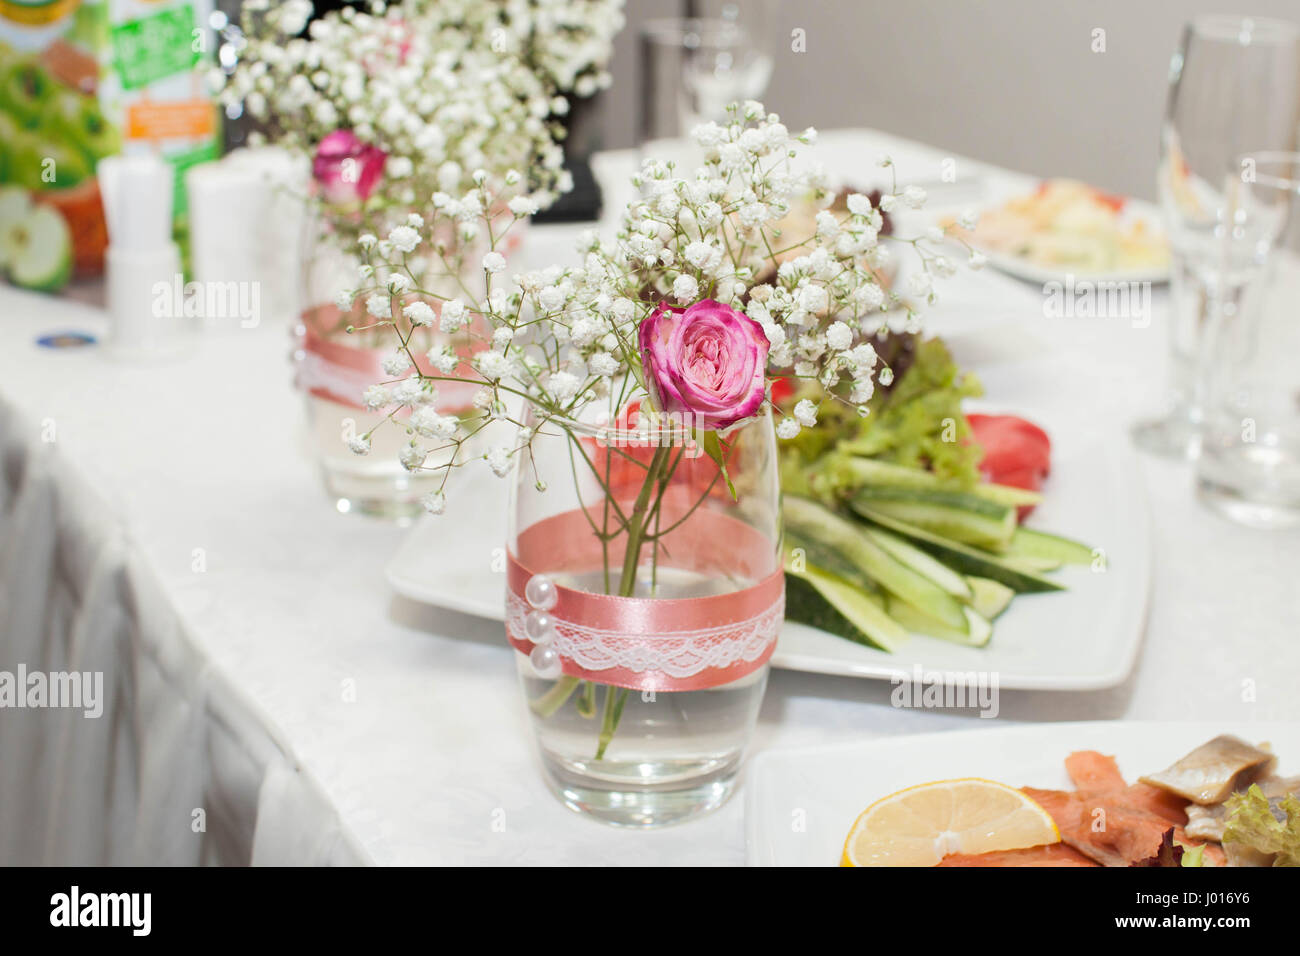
(921, 825)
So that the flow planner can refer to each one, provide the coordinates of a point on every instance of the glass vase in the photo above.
(333, 368)
(645, 597)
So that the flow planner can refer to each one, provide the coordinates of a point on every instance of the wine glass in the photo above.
(1234, 86)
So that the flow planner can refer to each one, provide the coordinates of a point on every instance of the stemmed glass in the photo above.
(1234, 86)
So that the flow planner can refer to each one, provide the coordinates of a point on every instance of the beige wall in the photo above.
(1014, 82)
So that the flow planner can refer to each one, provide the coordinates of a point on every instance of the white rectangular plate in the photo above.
(1081, 639)
(800, 804)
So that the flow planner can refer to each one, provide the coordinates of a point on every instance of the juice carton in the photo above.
(81, 80)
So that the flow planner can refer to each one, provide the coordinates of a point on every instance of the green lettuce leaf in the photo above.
(916, 422)
(1193, 855)
(1253, 824)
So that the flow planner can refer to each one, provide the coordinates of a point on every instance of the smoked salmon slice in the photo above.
(1106, 821)
(1051, 854)
(1110, 821)
(1095, 772)
(1101, 828)
(1090, 770)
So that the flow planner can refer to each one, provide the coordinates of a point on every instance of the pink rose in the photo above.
(346, 168)
(709, 361)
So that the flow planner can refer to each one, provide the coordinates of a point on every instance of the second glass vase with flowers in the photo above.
(630, 400)
(339, 354)
(391, 102)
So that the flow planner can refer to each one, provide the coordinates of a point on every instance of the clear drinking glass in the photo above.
(644, 601)
(1234, 86)
(693, 68)
(1249, 464)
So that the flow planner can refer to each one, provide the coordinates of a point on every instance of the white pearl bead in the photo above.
(546, 661)
(540, 592)
(539, 627)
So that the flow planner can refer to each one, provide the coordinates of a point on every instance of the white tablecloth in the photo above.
(163, 524)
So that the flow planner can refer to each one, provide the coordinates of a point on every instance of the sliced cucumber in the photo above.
(976, 634)
(824, 558)
(961, 557)
(873, 472)
(965, 500)
(833, 605)
(922, 563)
(952, 514)
(808, 519)
(990, 598)
(1029, 563)
(1008, 495)
(1028, 543)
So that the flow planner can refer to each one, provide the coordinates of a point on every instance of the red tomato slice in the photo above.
(626, 465)
(1116, 203)
(782, 390)
(1016, 452)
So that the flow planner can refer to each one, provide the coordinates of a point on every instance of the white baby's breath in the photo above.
(404, 238)
(420, 313)
(564, 342)
(396, 364)
(458, 94)
(805, 413)
(499, 461)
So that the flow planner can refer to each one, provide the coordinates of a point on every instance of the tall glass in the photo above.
(1249, 465)
(1234, 86)
(691, 69)
(645, 596)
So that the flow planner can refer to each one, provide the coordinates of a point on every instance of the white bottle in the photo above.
(143, 266)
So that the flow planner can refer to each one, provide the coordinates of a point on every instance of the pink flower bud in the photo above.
(347, 169)
(708, 361)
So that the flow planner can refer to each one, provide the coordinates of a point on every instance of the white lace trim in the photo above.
(678, 654)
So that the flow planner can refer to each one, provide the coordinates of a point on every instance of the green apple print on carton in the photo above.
(24, 91)
(53, 135)
(77, 119)
(35, 244)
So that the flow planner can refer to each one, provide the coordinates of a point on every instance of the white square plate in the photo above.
(800, 804)
(1083, 638)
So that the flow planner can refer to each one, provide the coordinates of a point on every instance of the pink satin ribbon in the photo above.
(669, 644)
(342, 372)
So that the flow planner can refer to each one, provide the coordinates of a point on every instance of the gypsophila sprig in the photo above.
(420, 97)
(723, 247)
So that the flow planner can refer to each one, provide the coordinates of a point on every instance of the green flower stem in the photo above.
(586, 702)
(554, 699)
(615, 698)
(636, 523)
